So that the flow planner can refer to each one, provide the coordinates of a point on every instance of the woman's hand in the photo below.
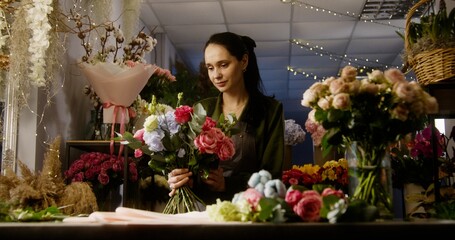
(177, 178)
(215, 180)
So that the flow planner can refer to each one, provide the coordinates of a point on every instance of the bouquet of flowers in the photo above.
(294, 133)
(184, 137)
(116, 67)
(101, 170)
(379, 109)
(365, 116)
(333, 173)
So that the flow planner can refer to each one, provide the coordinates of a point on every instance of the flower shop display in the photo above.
(293, 133)
(269, 200)
(412, 160)
(430, 43)
(333, 173)
(364, 117)
(43, 195)
(413, 166)
(184, 137)
(105, 173)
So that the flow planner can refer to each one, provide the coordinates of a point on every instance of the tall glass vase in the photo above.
(370, 176)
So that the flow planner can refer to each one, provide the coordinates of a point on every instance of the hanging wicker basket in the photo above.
(429, 66)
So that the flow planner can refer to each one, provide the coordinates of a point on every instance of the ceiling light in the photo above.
(387, 9)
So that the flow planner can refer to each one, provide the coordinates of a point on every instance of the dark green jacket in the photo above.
(259, 144)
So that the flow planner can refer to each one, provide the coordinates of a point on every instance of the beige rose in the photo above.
(309, 96)
(394, 75)
(349, 73)
(368, 87)
(324, 103)
(341, 101)
(431, 104)
(400, 112)
(405, 91)
(151, 123)
(338, 86)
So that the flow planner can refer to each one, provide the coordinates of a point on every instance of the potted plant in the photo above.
(430, 43)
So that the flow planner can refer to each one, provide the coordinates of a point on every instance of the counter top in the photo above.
(428, 229)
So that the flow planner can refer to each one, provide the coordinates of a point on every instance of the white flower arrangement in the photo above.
(38, 22)
(294, 133)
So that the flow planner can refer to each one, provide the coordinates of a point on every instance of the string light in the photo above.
(347, 14)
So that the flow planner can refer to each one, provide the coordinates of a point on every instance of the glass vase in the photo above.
(370, 176)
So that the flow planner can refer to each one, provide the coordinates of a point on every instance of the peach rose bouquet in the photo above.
(380, 108)
(184, 137)
(364, 116)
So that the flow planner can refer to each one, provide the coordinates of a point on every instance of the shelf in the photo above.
(444, 92)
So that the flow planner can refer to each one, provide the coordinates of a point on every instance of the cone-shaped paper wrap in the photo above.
(117, 86)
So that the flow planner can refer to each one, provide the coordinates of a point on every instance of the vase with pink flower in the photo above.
(363, 117)
(105, 173)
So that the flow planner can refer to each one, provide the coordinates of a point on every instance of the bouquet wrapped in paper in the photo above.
(117, 86)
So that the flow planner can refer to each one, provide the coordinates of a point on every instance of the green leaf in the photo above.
(267, 208)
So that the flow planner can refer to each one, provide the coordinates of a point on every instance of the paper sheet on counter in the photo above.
(123, 215)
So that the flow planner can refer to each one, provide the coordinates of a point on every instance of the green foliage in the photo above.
(9, 214)
(434, 31)
(444, 210)
(193, 86)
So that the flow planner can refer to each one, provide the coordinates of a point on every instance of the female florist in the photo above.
(377, 123)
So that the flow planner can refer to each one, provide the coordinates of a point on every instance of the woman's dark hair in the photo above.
(238, 46)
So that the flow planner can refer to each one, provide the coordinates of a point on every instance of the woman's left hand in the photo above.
(215, 180)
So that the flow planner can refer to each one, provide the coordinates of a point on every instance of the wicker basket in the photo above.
(429, 66)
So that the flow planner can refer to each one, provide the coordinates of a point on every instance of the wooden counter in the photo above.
(428, 229)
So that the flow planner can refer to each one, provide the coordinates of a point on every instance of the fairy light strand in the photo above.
(338, 57)
(334, 13)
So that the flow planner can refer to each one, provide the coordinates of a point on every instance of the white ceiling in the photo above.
(320, 23)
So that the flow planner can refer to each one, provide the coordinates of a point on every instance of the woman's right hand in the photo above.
(179, 177)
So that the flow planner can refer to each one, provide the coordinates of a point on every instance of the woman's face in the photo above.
(224, 70)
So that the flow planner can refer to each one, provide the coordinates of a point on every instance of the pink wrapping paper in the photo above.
(117, 86)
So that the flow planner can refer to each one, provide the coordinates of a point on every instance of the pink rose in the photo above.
(139, 134)
(226, 150)
(330, 191)
(138, 153)
(309, 206)
(103, 178)
(208, 141)
(117, 166)
(91, 173)
(252, 196)
(183, 114)
(293, 197)
(209, 123)
(79, 177)
(133, 172)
